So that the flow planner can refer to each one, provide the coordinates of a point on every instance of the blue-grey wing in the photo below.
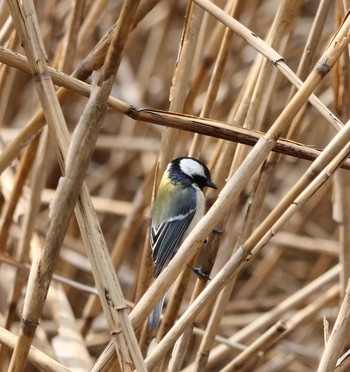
(169, 225)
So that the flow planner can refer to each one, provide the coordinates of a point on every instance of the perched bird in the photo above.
(178, 208)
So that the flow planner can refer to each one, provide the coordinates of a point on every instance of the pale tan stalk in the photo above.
(185, 122)
(36, 357)
(342, 181)
(279, 29)
(338, 336)
(70, 83)
(180, 81)
(215, 79)
(69, 43)
(22, 174)
(69, 188)
(232, 189)
(38, 178)
(251, 162)
(213, 37)
(6, 30)
(274, 314)
(125, 237)
(93, 61)
(90, 23)
(7, 77)
(281, 329)
(182, 343)
(68, 344)
(266, 175)
(263, 321)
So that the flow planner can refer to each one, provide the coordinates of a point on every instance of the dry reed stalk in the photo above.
(181, 76)
(281, 26)
(60, 216)
(90, 22)
(38, 178)
(196, 147)
(21, 177)
(215, 79)
(67, 51)
(174, 303)
(58, 278)
(274, 314)
(341, 210)
(131, 223)
(103, 205)
(265, 177)
(35, 357)
(232, 189)
(6, 30)
(282, 328)
(338, 336)
(7, 76)
(93, 61)
(154, 116)
(195, 150)
(294, 241)
(182, 343)
(308, 57)
(193, 124)
(69, 344)
(123, 158)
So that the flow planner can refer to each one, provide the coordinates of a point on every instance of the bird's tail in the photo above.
(154, 318)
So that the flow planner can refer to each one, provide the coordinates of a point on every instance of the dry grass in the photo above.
(260, 91)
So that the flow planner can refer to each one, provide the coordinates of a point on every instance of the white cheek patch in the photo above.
(191, 167)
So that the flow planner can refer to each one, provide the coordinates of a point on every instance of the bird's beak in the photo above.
(211, 184)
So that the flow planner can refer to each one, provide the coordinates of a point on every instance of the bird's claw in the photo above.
(198, 271)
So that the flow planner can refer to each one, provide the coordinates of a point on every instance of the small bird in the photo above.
(178, 208)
